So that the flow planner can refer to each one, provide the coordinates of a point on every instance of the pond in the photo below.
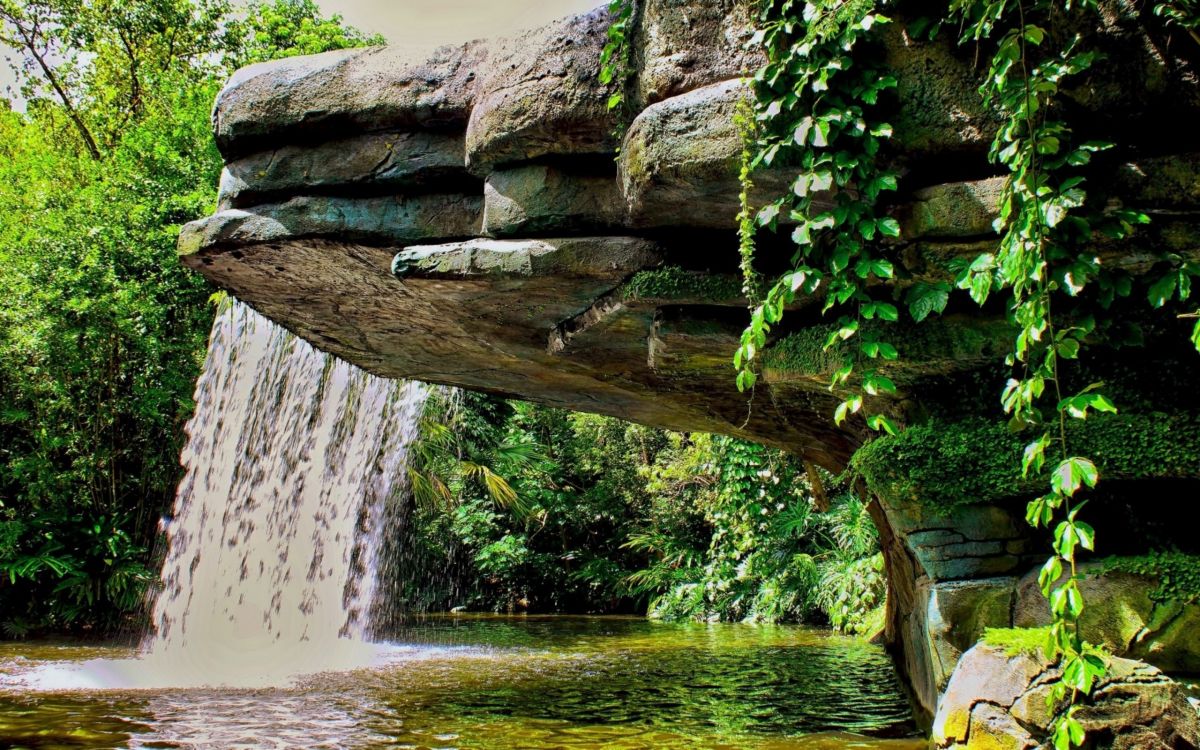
(503, 682)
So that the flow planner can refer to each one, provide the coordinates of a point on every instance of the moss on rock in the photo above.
(1018, 641)
(948, 465)
(673, 282)
(957, 338)
(1178, 574)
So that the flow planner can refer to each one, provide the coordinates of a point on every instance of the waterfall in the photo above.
(291, 458)
(273, 544)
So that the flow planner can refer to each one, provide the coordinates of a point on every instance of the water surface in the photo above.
(489, 683)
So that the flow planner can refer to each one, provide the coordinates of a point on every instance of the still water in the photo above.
(496, 682)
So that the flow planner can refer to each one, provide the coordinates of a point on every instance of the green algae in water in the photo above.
(535, 683)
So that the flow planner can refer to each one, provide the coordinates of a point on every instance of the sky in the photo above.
(428, 23)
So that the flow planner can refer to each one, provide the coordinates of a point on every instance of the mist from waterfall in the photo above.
(292, 459)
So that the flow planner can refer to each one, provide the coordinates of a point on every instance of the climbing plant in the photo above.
(616, 61)
(816, 109)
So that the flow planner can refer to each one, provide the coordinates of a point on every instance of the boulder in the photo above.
(345, 92)
(940, 113)
(953, 210)
(957, 615)
(969, 541)
(376, 162)
(540, 95)
(569, 258)
(1161, 183)
(686, 45)
(1122, 615)
(385, 220)
(681, 159)
(996, 699)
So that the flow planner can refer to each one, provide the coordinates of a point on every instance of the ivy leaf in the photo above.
(889, 227)
(881, 422)
(1049, 574)
(925, 299)
(768, 214)
(1035, 455)
(1077, 407)
(842, 375)
(846, 408)
(802, 234)
(820, 134)
(1086, 535)
(1162, 290)
(876, 384)
(1039, 512)
(1072, 474)
(800, 134)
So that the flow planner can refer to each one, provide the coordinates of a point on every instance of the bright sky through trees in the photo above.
(428, 23)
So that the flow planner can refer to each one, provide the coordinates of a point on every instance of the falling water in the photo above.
(291, 461)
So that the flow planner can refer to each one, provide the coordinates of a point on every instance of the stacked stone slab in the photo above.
(471, 219)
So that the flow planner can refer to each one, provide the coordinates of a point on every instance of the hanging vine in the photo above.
(809, 88)
(616, 63)
(816, 109)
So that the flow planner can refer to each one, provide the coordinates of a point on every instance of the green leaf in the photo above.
(1162, 290)
(876, 384)
(880, 422)
(1035, 455)
(1078, 407)
(1039, 512)
(1051, 571)
(1072, 474)
(846, 408)
(887, 311)
(889, 227)
(925, 299)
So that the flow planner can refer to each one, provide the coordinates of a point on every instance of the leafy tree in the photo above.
(288, 28)
(101, 330)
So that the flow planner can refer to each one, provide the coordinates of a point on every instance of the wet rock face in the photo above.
(471, 219)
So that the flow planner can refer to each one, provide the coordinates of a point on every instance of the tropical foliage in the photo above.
(520, 507)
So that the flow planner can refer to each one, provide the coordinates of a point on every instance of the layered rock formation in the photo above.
(471, 219)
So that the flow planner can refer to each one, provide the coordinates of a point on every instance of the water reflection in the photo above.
(488, 683)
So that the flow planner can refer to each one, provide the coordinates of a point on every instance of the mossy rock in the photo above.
(948, 465)
(677, 284)
(933, 347)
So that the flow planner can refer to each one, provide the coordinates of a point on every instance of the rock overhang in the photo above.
(536, 259)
